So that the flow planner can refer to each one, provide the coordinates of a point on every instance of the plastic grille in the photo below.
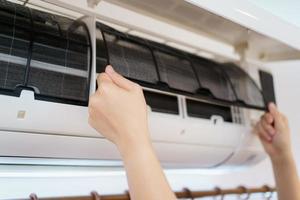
(130, 59)
(14, 14)
(46, 82)
(165, 68)
(11, 75)
(62, 52)
(176, 72)
(14, 44)
(49, 54)
(212, 78)
(58, 84)
(245, 88)
(58, 49)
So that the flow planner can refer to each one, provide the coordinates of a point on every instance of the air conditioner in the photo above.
(201, 111)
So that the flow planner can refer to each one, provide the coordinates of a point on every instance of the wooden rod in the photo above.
(239, 190)
(180, 195)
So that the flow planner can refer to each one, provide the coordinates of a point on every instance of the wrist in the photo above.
(130, 146)
(286, 157)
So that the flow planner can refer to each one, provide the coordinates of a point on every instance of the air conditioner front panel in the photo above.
(164, 127)
(25, 145)
(43, 117)
(31, 145)
(207, 132)
(24, 113)
(248, 152)
(191, 155)
(245, 158)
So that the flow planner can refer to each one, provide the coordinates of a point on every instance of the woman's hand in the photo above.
(118, 111)
(274, 132)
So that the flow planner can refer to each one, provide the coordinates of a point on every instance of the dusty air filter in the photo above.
(45, 53)
(158, 66)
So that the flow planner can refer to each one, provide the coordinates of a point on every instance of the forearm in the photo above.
(286, 176)
(145, 176)
(118, 111)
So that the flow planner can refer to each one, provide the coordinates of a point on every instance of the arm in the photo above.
(274, 133)
(118, 111)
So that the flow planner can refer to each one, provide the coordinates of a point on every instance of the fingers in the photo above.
(93, 101)
(263, 133)
(118, 79)
(268, 127)
(266, 122)
(105, 84)
(268, 118)
(110, 76)
(264, 127)
(274, 111)
(103, 77)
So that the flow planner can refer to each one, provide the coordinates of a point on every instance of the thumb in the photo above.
(118, 79)
(274, 111)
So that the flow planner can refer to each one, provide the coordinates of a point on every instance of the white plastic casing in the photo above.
(54, 130)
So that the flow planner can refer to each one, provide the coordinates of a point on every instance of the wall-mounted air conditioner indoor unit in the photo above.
(201, 111)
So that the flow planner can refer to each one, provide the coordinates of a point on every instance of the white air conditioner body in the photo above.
(43, 134)
(37, 131)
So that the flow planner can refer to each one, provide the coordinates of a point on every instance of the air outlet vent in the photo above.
(207, 110)
(161, 102)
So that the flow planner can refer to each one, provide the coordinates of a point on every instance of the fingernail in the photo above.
(109, 69)
(272, 105)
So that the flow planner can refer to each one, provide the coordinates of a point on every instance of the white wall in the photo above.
(287, 75)
(287, 10)
(58, 181)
